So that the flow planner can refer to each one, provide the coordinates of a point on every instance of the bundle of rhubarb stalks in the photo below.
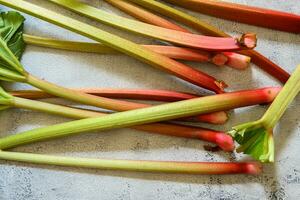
(200, 43)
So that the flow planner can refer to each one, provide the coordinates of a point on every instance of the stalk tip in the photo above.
(221, 85)
(254, 168)
(225, 142)
(219, 59)
(248, 40)
(237, 61)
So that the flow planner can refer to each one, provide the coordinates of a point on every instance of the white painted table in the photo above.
(23, 181)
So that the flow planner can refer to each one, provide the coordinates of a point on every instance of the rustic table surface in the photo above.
(280, 180)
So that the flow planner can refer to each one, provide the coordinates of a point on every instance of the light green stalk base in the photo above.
(256, 138)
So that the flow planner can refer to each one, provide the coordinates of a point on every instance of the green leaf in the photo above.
(11, 30)
(11, 42)
(254, 140)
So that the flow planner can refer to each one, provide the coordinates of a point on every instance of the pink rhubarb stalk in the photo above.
(137, 165)
(261, 61)
(267, 18)
(180, 53)
(136, 94)
(232, 59)
(246, 41)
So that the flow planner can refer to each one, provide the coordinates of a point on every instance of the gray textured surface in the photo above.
(23, 181)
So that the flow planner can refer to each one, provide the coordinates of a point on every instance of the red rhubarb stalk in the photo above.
(257, 58)
(232, 59)
(246, 41)
(136, 94)
(268, 18)
(137, 165)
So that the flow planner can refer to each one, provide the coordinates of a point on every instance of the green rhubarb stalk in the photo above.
(234, 60)
(247, 41)
(137, 165)
(148, 115)
(182, 71)
(223, 140)
(257, 58)
(256, 138)
(12, 70)
(180, 53)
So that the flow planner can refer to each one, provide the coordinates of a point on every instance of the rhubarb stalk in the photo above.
(224, 141)
(179, 53)
(257, 58)
(157, 60)
(137, 165)
(12, 70)
(136, 94)
(256, 138)
(267, 18)
(145, 16)
(234, 60)
(152, 114)
(247, 41)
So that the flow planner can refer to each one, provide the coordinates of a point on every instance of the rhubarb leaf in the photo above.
(11, 46)
(11, 30)
(254, 140)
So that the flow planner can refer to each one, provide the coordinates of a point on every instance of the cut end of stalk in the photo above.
(219, 59)
(254, 168)
(248, 40)
(237, 61)
(221, 85)
(225, 142)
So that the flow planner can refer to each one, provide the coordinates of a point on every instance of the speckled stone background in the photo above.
(18, 181)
